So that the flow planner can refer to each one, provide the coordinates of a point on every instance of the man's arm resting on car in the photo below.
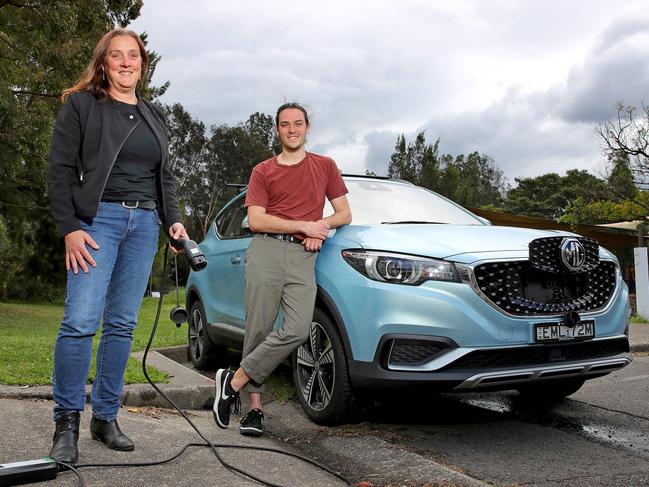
(261, 222)
(342, 214)
(316, 232)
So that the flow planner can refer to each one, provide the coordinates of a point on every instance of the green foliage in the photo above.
(188, 159)
(606, 211)
(472, 180)
(28, 341)
(618, 200)
(550, 195)
(40, 45)
(204, 165)
(620, 180)
(149, 91)
(121, 12)
(44, 47)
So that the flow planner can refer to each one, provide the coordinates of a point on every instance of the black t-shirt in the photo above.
(133, 175)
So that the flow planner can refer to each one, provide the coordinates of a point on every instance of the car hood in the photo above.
(444, 241)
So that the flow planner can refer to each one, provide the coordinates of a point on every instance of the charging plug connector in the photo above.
(193, 253)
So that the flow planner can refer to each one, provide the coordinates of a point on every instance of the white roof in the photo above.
(632, 225)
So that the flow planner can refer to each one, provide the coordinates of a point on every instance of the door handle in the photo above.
(235, 260)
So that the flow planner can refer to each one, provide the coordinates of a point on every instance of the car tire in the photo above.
(201, 348)
(321, 374)
(551, 391)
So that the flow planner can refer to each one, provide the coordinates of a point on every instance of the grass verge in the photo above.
(280, 384)
(29, 331)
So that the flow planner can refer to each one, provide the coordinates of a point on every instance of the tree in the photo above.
(188, 159)
(471, 181)
(400, 166)
(605, 211)
(44, 46)
(625, 140)
(414, 161)
(624, 201)
(233, 151)
(550, 195)
(627, 135)
(620, 178)
(474, 180)
(204, 165)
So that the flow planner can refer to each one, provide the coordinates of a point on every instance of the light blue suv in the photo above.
(418, 291)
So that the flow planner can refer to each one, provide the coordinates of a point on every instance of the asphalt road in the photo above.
(597, 437)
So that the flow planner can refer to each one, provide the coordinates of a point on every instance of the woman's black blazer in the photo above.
(87, 138)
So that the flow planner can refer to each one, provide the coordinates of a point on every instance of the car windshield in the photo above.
(375, 201)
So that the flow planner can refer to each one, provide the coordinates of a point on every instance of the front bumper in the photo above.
(494, 368)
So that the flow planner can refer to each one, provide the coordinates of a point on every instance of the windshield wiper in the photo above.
(418, 222)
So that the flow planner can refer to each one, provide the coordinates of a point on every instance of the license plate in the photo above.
(555, 332)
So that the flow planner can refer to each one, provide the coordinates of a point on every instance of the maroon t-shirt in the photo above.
(295, 192)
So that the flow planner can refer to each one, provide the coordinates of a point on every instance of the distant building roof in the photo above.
(632, 225)
(612, 238)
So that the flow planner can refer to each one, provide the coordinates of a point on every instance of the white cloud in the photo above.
(522, 81)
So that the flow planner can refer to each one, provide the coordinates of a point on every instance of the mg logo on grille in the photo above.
(573, 254)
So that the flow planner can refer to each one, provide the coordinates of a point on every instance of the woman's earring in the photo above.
(103, 75)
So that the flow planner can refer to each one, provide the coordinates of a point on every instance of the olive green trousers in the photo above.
(279, 275)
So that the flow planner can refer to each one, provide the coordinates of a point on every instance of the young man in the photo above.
(285, 199)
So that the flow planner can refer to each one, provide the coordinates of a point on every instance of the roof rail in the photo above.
(381, 178)
(368, 176)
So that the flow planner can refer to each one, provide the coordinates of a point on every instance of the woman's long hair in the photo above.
(94, 78)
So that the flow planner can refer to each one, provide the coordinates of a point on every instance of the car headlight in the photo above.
(400, 268)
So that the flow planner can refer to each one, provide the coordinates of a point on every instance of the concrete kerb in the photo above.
(639, 337)
(188, 389)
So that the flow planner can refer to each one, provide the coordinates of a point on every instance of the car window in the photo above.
(376, 201)
(233, 222)
(223, 220)
(372, 201)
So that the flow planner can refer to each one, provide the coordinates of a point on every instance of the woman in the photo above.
(110, 187)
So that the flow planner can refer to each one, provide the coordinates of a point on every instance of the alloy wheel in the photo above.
(316, 371)
(196, 338)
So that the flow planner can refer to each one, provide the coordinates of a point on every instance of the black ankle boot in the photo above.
(109, 434)
(66, 434)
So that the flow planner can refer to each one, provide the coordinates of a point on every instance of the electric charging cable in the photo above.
(208, 444)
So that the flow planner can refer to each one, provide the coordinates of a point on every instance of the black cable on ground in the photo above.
(208, 443)
(216, 445)
(75, 470)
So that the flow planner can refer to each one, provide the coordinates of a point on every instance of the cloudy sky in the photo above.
(522, 81)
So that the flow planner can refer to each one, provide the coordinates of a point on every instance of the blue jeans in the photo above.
(111, 293)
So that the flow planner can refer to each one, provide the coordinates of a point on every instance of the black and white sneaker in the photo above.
(252, 424)
(226, 400)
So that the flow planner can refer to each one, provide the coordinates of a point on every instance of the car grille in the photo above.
(519, 288)
(413, 352)
(540, 354)
(545, 254)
